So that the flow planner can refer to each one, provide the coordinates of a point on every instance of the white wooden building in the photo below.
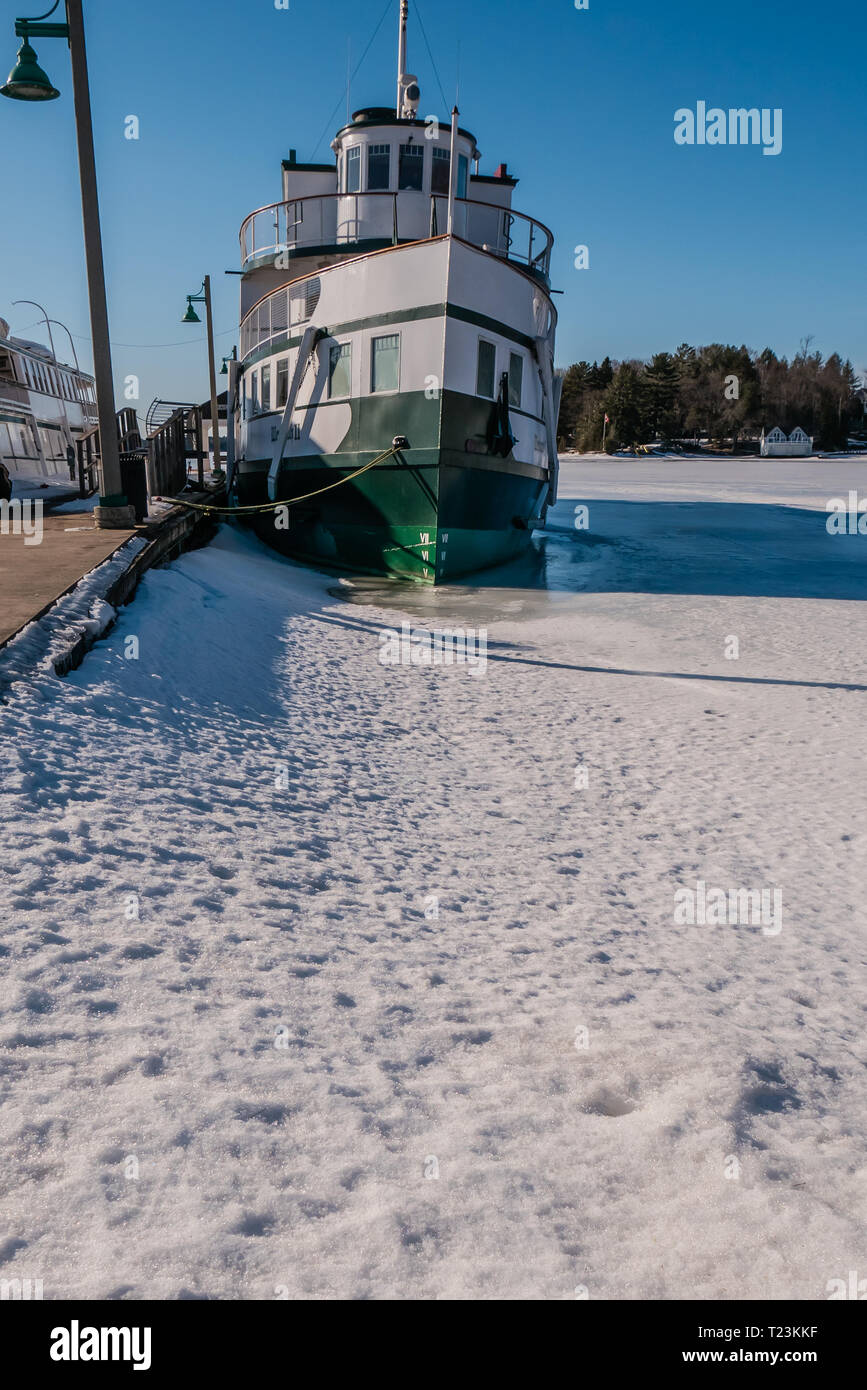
(776, 444)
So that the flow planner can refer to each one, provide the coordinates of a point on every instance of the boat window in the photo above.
(516, 373)
(410, 172)
(439, 179)
(353, 169)
(378, 168)
(340, 370)
(266, 388)
(463, 170)
(385, 363)
(303, 300)
(486, 369)
(282, 382)
(254, 392)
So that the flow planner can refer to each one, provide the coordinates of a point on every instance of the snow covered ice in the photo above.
(329, 978)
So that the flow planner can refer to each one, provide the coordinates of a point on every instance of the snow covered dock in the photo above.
(328, 978)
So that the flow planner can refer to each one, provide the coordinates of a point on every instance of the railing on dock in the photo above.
(167, 456)
(87, 450)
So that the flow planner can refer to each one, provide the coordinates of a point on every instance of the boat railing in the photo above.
(331, 221)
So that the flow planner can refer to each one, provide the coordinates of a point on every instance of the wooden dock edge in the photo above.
(178, 530)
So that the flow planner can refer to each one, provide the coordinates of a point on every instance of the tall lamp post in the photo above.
(204, 297)
(27, 82)
(71, 342)
(48, 322)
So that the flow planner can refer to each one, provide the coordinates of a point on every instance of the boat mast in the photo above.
(401, 54)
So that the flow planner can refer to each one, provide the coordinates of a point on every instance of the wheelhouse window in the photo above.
(378, 168)
(385, 363)
(516, 374)
(282, 382)
(440, 167)
(486, 369)
(266, 388)
(410, 172)
(340, 370)
(463, 171)
(352, 169)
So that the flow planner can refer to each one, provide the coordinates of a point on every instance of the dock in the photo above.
(35, 577)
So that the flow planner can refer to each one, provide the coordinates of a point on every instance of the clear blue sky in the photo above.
(696, 244)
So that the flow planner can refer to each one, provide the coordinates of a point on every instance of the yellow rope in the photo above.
(289, 502)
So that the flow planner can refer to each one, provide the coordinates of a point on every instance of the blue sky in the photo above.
(686, 243)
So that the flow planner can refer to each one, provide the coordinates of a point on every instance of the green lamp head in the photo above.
(27, 81)
(190, 316)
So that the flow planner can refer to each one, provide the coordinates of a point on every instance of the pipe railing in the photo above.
(334, 220)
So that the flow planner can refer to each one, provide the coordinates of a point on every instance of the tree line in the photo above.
(721, 394)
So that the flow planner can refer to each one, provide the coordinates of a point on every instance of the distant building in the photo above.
(776, 444)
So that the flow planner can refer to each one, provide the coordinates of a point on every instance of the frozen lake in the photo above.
(329, 978)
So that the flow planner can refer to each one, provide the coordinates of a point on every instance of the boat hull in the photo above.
(465, 492)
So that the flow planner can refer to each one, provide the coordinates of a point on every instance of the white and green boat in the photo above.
(394, 302)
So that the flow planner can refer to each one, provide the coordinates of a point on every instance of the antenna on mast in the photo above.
(401, 54)
(407, 83)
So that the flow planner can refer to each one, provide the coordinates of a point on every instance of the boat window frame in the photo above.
(379, 150)
(519, 358)
(352, 160)
(415, 154)
(384, 390)
(337, 345)
(265, 406)
(463, 178)
(490, 343)
(440, 159)
(281, 375)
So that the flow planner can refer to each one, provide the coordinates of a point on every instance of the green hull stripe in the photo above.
(422, 311)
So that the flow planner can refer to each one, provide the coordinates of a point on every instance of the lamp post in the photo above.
(71, 342)
(70, 447)
(27, 82)
(190, 316)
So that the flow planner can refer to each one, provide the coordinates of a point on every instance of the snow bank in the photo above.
(82, 612)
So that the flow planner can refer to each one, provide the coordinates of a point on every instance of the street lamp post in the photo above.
(190, 316)
(27, 82)
(70, 447)
(71, 342)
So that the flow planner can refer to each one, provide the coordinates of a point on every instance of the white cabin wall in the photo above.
(397, 282)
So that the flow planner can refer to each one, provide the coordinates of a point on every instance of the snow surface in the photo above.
(707, 1142)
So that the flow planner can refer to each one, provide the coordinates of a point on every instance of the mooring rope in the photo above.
(289, 501)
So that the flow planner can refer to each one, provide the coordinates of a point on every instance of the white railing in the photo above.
(346, 219)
